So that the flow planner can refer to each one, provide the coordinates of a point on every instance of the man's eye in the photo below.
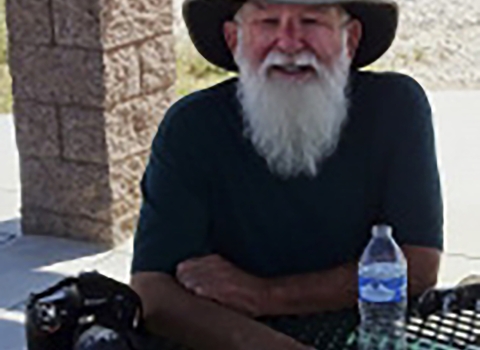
(309, 21)
(270, 21)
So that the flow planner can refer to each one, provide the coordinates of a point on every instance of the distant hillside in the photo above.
(438, 43)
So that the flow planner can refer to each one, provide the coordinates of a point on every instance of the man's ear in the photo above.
(230, 32)
(354, 31)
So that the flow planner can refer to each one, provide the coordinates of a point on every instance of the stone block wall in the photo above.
(91, 81)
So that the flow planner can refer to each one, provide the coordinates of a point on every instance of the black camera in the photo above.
(88, 312)
(463, 297)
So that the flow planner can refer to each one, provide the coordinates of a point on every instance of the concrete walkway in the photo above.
(33, 263)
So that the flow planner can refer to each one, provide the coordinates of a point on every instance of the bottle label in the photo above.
(374, 290)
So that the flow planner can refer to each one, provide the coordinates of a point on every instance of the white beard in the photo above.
(293, 126)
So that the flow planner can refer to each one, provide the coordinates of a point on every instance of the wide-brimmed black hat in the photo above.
(205, 19)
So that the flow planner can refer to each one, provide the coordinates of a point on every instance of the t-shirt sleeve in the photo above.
(412, 200)
(174, 216)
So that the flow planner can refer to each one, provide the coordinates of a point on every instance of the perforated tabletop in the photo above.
(451, 331)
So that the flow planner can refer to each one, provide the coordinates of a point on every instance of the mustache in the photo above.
(302, 59)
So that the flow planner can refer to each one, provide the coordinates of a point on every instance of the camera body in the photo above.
(462, 297)
(77, 313)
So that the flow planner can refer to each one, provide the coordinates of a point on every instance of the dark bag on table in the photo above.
(88, 312)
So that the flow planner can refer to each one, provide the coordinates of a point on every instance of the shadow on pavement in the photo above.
(33, 263)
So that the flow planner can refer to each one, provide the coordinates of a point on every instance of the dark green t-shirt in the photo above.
(206, 190)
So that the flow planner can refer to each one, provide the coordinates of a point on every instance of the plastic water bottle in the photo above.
(382, 284)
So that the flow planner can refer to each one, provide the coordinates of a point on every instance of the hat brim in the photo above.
(205, 18)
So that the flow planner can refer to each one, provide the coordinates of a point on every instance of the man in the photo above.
(260, 192)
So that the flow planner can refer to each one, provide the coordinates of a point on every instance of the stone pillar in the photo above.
(91, 81)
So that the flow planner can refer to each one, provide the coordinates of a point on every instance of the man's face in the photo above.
(294, 65)
(291, 29)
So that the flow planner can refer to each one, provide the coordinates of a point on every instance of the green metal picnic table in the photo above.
(338, 331)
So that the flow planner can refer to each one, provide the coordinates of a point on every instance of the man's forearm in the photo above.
(330, 290)
(423, 267)
(337, 288)
(172, 312)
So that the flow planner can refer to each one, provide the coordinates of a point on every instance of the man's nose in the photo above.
(289, 37)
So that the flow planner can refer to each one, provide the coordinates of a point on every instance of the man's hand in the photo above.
(217, 279)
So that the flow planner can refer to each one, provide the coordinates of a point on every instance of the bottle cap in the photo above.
(382, 230)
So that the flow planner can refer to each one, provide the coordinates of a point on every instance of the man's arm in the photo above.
(336, 289)
(331, 290)
(171, 311)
